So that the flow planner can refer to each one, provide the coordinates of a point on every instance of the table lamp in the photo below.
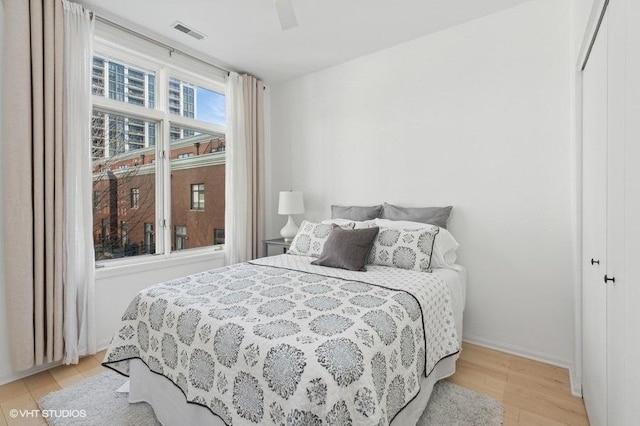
(290, 203)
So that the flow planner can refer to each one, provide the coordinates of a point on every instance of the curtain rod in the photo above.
(156, 42)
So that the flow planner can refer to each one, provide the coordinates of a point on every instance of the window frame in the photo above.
(149, 58)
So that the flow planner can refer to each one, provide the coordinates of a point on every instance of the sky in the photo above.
(211, 106)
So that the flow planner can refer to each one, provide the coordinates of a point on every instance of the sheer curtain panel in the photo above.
(79, 312)
(244, 180)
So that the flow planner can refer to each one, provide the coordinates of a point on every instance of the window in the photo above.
(197, 196)
(218, 236)
(149, 245)
(123, 180)
(124, 233)
(135, 198)
(114, 135)
(181, 237)
(135, 137)
(193, 101)
(125, 82)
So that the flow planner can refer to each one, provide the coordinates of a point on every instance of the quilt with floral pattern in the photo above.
(281, 341)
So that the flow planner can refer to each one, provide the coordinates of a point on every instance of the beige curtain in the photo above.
(32, 179)
(253, 101)
(244, 174)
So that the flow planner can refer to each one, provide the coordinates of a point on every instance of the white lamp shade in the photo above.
(290, 202)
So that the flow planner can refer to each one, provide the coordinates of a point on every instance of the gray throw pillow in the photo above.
(432, 215)
(357, 213)
(347, 248)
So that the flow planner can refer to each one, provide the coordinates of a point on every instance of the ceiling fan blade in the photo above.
(286, 14)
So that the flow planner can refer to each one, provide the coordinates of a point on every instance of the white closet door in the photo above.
(594, 246)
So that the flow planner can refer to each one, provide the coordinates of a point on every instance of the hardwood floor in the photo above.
(532, 393)
(23, 394)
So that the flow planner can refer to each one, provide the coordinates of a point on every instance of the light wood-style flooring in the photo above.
(532, 393)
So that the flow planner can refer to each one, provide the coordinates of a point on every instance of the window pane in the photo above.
(190, 100)
(123, 186)
(124, 83)
(114, 135)
(197, 189)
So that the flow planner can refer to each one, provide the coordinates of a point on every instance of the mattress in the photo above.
(440, 296)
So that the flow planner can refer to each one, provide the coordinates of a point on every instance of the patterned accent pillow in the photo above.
(310, 239)
(404, 248)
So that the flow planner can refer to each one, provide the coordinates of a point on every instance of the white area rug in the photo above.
(450, 405)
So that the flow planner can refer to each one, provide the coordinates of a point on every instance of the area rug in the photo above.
(95, 402)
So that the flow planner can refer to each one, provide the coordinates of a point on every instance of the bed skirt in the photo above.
(171, 408)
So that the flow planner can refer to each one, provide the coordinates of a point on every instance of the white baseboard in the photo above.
(529, 354)
(576, 383)
(103, 345)
(12, 377)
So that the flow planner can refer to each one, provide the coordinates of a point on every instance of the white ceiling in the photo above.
(246, 36)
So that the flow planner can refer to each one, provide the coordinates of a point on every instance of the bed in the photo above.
(279, 340)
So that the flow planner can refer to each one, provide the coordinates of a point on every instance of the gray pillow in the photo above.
(357, 213)
(432, 215)
(347, 248)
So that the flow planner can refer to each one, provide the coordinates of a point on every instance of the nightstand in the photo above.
(276, 242)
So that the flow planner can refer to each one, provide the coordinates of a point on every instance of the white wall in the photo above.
(584, 15)
(116, 287)
(477, 116)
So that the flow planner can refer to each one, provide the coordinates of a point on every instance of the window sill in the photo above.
(115, 268)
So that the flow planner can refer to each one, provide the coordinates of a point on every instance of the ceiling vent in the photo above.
(189, 31)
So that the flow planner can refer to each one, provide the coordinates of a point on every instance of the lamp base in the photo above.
(289, 230)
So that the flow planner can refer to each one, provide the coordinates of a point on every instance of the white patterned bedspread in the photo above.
(280, 341)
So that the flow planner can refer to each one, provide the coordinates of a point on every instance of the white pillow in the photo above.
(444, 247)
(345, 222)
